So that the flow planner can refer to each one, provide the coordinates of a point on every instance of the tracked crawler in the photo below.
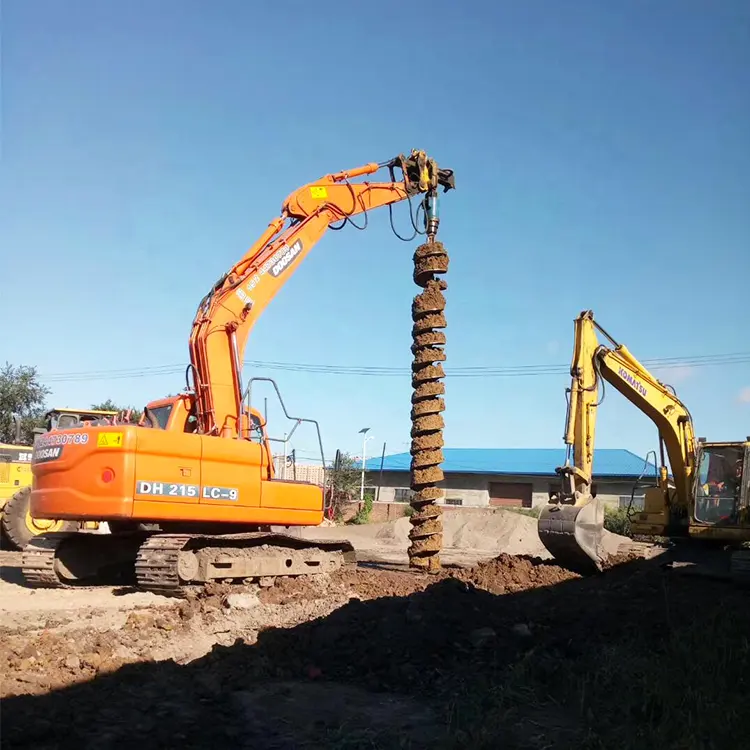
(171, 564)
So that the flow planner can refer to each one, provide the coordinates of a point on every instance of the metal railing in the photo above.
(247, 398)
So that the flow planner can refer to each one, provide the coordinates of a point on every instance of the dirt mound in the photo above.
(490, 530)
(103, 643)
(507, 574)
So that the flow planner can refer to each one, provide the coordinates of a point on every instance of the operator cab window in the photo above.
(719, 486)
(162, 415)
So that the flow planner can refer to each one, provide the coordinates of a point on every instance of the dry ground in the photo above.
(510, 652)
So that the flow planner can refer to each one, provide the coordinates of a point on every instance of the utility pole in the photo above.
(365, 438)
(283, 460)
(380, 478)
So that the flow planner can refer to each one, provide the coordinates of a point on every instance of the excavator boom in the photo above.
(227, 314)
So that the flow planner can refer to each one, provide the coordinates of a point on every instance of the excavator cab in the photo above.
(64, 419)
(721, 487)
(719, 503)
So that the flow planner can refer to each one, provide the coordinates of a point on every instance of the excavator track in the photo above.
(157, 563)
(172, 564)
(79, 560)
(428, 314)
(38, 561)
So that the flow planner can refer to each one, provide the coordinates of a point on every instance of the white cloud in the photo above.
(673, 375)
(744, 397)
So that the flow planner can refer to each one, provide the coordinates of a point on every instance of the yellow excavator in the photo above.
(706, 497)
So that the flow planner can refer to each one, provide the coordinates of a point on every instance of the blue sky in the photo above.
(601, 159)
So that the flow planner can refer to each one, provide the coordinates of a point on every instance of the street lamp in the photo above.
(365, 438)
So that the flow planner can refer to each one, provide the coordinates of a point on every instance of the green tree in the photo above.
(343, 478)
(110, 405)
(22, 394)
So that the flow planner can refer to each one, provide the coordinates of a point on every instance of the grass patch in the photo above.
(617, 521)
(688, 693)
(362, 516)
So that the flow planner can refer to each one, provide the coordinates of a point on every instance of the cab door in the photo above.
(167, 466)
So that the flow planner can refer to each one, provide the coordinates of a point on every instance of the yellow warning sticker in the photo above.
(318, 191)
(109, 440)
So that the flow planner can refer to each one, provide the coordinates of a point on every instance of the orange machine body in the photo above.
(203, 456)
(130, 472)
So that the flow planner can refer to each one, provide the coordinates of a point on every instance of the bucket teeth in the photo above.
(428, 314)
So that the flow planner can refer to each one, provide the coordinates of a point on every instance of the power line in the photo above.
(483, 371)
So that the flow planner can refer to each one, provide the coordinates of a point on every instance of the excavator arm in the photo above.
(227, 314)
(571, 525)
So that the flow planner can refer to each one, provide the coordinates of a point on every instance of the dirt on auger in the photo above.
(428, 314)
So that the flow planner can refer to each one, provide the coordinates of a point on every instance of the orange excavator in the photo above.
(190, 493)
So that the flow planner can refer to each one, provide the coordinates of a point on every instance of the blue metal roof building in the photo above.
(608, 462)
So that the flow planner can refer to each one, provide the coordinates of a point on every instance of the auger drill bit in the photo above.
(428, 314)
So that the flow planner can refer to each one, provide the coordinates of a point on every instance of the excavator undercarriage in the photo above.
(173, 564)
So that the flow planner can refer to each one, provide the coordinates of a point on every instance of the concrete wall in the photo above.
(473, 489)
(384, 511)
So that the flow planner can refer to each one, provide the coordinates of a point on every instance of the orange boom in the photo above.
(190, 491)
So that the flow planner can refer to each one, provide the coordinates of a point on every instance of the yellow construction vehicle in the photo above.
(17, 524)
(706, 496)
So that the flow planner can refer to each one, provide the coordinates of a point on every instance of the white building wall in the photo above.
(473, 489)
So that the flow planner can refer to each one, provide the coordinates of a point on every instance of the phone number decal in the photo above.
(51, 438)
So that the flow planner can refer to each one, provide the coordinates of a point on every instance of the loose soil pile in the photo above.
(67, 652)
(485, 532)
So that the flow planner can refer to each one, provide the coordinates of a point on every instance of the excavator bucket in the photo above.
(573, 534)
